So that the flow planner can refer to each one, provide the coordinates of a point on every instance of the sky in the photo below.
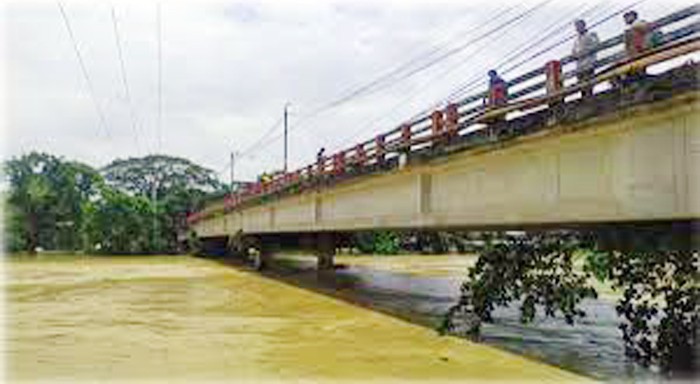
(228, 68)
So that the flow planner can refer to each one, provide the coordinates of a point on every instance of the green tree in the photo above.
(117, 223)
(45, 197)
(16, 235)
(178, 185)
(657, 273)
(377, 242)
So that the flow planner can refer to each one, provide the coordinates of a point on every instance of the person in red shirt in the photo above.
(497, 97)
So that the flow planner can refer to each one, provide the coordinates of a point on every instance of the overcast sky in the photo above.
(229, 67)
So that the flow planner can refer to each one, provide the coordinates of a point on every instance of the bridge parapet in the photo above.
(427, 136)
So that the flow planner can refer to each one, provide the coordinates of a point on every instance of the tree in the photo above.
(660, 305)
(377, 242)
(179, 187)
(536, 270)
(45, 195)
(164, 174)
(117, 223)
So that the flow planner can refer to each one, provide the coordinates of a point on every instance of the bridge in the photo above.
(549, 158)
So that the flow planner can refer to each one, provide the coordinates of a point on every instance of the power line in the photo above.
(553, 30)
(476, 80)
(437, 59)
(160, 77)
(564, 40)
(262, 138)
(154, 191)
(83, 69)
(250, 149)
(398, 69)
(471, 85)
(514, 55)
(122, 66)
(431, 63)
(441, 75)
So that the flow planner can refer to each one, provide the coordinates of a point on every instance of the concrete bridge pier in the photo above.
(261, 255)
(325, 250)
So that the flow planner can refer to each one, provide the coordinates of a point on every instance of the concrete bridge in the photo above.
(627, 155)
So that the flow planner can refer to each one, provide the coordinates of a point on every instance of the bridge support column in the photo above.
(325, 251)
(263, 253)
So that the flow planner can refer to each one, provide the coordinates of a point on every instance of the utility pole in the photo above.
(286, 141)
(233, 158)
(154, 197)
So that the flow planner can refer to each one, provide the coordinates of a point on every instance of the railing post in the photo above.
(554, 76)
(307, 177)
(554, 83)
(437, 126)
(406, 137)
(360, 154)
(451, 120)
(380, 149)
(339, 163)
(321, 165)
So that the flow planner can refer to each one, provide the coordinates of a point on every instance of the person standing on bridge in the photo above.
(585, 48)
(498, 90)
(497, 97)
(640, 36)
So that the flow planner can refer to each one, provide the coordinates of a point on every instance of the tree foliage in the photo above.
(659, 306)
(53, 203)
(164, 174)
(535, 270)
(178, 185)
(117, 223)
(45, 198)
(377, 242)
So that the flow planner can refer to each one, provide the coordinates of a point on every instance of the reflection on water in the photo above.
(593, 346)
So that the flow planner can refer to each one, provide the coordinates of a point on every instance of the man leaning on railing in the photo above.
(584, 51)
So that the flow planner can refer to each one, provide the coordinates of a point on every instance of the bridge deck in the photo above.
(609, 159)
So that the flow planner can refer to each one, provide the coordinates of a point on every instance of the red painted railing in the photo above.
(444, 124)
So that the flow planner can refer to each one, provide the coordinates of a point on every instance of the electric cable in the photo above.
(83, 69)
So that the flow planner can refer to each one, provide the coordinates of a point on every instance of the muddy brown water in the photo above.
(182, 319)
(421, 289)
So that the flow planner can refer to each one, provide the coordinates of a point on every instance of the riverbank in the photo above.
(175, 318)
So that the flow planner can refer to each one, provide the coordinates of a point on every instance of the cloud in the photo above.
(228, 68)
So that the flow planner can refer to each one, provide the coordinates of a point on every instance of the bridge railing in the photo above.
(528, 92)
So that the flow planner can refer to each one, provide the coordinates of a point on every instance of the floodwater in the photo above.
(186, 319)
(421, 289)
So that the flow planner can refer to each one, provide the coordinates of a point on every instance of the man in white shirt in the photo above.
(584, 51)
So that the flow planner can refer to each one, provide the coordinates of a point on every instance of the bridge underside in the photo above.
(634, 164)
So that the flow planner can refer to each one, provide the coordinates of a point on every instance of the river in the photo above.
(180, 318)
(421, 288)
